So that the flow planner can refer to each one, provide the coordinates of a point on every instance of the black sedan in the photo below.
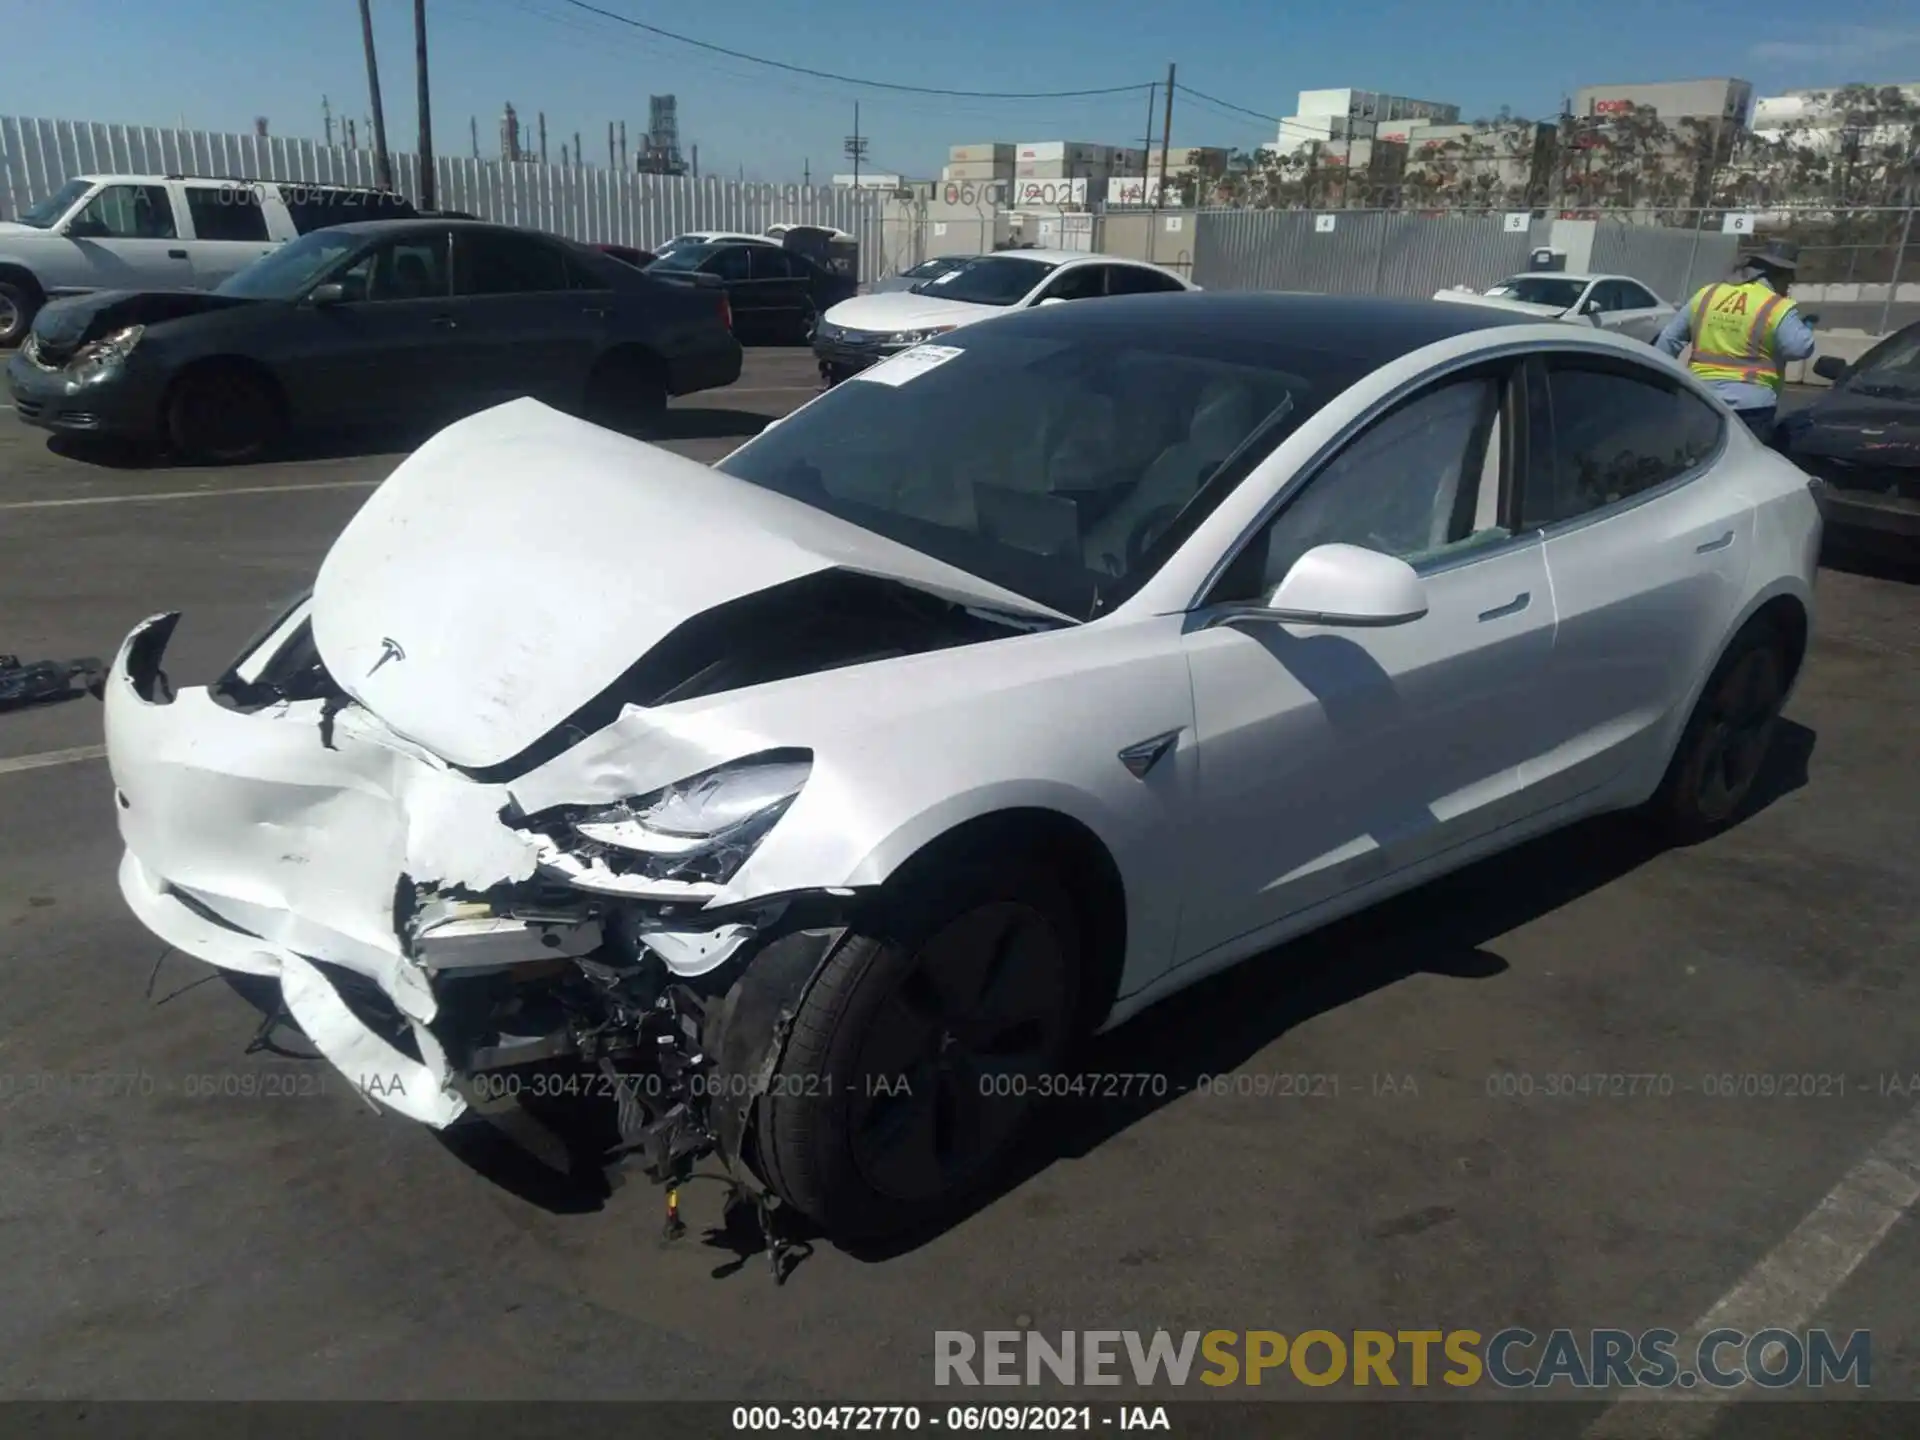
(776, 293)
(1863, 439)
(390, 322)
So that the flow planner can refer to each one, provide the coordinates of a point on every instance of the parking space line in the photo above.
(761, 390)
(52, 757)
(1787, 1288)
(208, 494)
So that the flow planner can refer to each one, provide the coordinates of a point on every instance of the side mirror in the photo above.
(332, 293)
(1590, 307)
(1346, 585)
(1830, 367)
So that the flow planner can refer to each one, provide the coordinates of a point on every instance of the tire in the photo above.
(913, 1061)
(1724, 747)
(626, 387)
(19, 303)
(222, 416)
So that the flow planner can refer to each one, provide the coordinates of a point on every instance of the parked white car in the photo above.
(868, 328)
(1611, 302)
(159, 232)
(814, 804)
(713, 237)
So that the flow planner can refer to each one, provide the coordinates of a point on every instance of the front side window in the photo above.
(226, 212)
(1421, 483)
(496, 264)
(1600, 433)
(1099, 456)
(127, 212)
(729, 263)
(1083, 282)
(769, 263)
(1891, 369)
(411, 269)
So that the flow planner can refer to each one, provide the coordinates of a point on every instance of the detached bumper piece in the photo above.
(36, 681)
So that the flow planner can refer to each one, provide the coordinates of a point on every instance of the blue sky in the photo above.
(218, 63)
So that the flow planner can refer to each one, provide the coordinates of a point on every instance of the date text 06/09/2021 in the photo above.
(996, 1419)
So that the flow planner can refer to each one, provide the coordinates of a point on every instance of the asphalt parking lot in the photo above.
(159, 1241)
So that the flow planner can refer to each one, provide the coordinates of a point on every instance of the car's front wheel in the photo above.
(18, 305)
(917, 1055)
(1724, 747)
(222, 415)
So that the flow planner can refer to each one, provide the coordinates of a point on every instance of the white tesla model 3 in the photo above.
(811, 805)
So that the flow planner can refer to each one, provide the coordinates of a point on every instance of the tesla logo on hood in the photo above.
(389, 650)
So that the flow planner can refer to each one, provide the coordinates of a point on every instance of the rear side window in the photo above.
(769, 263)
(313, 208)
(1599, 434)
(728, 264)
(226, 212)
(1136, 280)
(488, 263)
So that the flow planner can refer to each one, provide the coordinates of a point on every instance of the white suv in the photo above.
(159, 232)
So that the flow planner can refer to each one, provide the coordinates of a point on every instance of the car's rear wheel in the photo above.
(627, 387)
(18, 305)
(1724, 747)
(916, 1056)
(222, 415)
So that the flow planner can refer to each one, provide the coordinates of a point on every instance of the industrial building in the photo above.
(1810, 118)
(1349, 115)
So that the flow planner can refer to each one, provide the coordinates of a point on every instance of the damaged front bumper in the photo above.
(421, 939)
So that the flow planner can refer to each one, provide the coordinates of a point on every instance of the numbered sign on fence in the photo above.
(1323, 224)
(1175, 223)
(1518, 222)
(1740, 224)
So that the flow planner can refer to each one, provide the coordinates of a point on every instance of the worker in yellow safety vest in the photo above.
(1743, 331)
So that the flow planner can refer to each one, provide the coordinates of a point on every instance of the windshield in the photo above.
(927, 269)
(1890, 368)
(1095, 466)
(285, 274)
(42, 214)
(681, 242)
(990, 280)
(687, 257)
(1540, 290)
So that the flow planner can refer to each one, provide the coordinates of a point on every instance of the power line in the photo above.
(851, 79)
(1229, 105)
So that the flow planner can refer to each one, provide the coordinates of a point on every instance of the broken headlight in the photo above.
(918, 337)
(699, 829)
(103, 358)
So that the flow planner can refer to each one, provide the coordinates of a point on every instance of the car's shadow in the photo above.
(1210, 1029)
(682, 422)
(1872, 556)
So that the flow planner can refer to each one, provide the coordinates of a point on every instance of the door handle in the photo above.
(1712, 545)
(595, 311)
(176, 254)
(445, 322)
(1512, 607)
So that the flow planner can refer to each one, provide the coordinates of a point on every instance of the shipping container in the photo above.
(1081, 152)
(976, 170)
(993, 151)
(1063, 170)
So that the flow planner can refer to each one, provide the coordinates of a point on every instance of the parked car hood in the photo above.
(65, 323)
(521, 561)
(904, 310)
(1873, 431)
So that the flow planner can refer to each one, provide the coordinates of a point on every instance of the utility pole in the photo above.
(806, 174)
(382, 164)
(326, 119)
(473, 134)
(1146, 155)
(579, 155)
(428, 199)
(856, 146)
(1166, 139)
(543, 137)
(353, 140)
(623, 144)
(613, 154)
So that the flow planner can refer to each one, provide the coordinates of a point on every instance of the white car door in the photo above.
(128, 236)
(1648, 541)
(1330, 757)
(230, 229)
(1631, 309)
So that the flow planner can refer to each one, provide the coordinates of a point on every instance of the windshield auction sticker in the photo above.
(910, 364)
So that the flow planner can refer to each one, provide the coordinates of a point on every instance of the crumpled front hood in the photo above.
(521, 561)
(64, 324)
(904, 310)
